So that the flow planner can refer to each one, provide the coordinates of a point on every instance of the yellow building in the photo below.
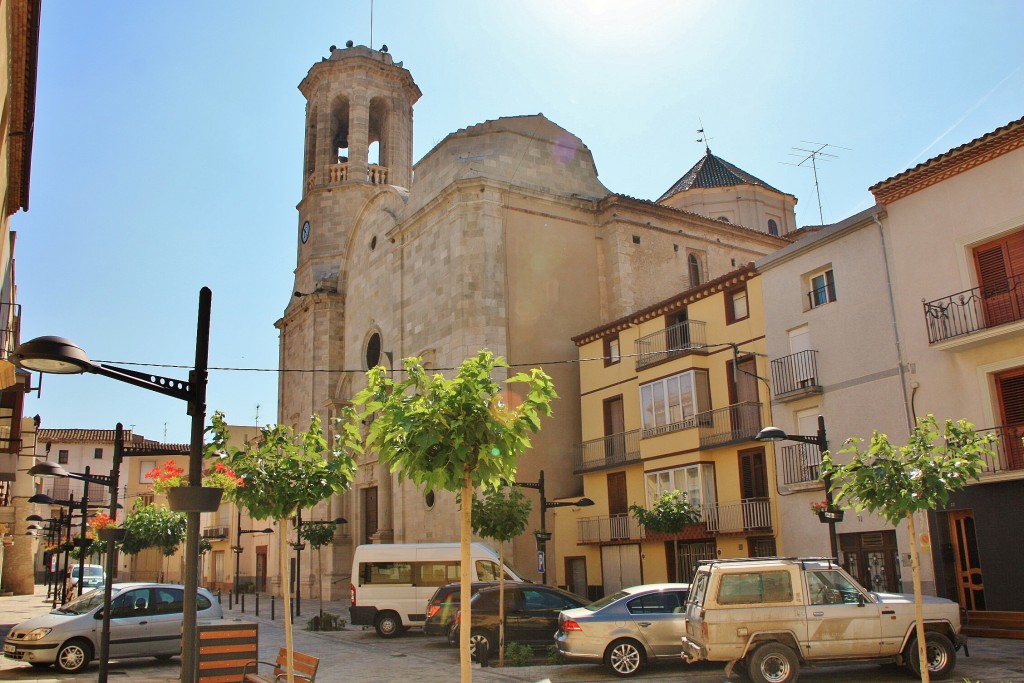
(672, 397)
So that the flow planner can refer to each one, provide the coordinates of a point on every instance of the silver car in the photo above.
(627, 629)
(145, 621)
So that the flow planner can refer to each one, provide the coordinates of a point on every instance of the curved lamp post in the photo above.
(821, 441)
(543, 536)
(60, 356)
(299, 545)
(237, 548)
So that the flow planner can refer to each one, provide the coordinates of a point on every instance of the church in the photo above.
(501, 237)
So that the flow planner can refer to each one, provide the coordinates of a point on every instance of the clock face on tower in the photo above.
(304, 235)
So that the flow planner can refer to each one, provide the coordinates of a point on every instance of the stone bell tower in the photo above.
(358, 148)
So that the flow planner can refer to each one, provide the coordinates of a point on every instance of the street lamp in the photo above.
(821, 441)
(237, 549)
(543, 536)
(60, 356)
(299, 545)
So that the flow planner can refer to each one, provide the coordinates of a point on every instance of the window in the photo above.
(831, 588)
(612, 355)
(693, 263)
(373, 346)
(736, 305)
(823, 288)
(662, 602)
(755, 588)
(385, 573)
(97, 454)
(773, 227)
(62, 457)
(672, 403)
(696, 481)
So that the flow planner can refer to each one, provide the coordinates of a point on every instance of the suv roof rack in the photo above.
(830, 560)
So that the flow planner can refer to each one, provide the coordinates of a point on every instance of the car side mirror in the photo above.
(98, 614)
(860, 599)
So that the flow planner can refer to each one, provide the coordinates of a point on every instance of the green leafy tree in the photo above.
(502, 518)
(670, 514)
(896, 482)
(153, 526)
(453, 435)
(282, 472)
(317, 536)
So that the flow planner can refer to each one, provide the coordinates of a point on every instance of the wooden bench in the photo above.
(305, 668)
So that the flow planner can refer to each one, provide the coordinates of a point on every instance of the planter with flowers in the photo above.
(171, 480)
(826, 512)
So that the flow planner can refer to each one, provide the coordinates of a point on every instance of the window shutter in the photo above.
(1011, 397)
(992, 275)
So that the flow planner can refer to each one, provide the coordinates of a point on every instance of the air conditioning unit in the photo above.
(215, 532)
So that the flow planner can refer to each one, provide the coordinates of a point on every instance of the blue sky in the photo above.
(168, 141)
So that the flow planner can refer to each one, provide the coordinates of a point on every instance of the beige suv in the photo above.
(770, 615)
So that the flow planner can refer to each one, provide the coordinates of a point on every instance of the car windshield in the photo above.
(86, 603)
(94, 571)
(605, 601)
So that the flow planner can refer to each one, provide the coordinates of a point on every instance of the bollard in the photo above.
(243, 603)
(271, 607)
(483, 654)
(231, 603)
(257, 604)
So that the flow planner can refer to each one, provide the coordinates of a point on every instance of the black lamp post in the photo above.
(299, 545)
(543, 536)
(237, 549)
(821, 441)
(60, 356)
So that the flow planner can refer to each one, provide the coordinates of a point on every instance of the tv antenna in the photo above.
(703, 137)
(813, 155)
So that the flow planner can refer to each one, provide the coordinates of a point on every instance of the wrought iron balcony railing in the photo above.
(673, 341)
(745, 515)
(1008, 449)
(10, 328)
(800, 463)
(608, 451)
(607, 529)
(797, 372)
(975, 309)
(732, 424)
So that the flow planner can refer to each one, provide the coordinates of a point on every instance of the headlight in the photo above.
(38, 634)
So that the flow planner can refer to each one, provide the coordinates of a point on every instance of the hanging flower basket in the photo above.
(112, 534)
(194, 498)
(833, 515)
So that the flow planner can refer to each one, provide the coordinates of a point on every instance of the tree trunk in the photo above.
(501, 604)
(915, 567)
(465, 534)
(286, 602)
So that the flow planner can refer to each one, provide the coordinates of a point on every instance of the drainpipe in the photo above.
(907, 412)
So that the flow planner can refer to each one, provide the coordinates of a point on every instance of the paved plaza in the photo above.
(357, 655)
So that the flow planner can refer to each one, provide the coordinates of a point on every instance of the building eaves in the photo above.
(105, 436)
(669, 305)
(957, 160)
(822, 235)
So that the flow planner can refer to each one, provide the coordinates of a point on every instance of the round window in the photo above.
(373, 351)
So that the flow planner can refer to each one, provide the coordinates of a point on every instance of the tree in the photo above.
(898, 481)
(502, 518)
(317, 535)
(670, 514)
(153, 526)
(453, 435)
(281, 473)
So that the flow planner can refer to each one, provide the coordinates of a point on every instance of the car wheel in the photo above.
(773, 663)
(624, 657)
(477, 640)
(73, 656)
(388, 625)
(940, 653)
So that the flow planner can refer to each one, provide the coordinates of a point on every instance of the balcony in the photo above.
(733, 424)
(609, 451)
(608, 529)
(800, 463)
(10, 324)
(795, 375)
(671, 342)
(753, 514)
(215, 533)
(62, 489)
(344, 172)
(975, 310)
(1007, 448)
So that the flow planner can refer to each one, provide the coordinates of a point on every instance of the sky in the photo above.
(168, 142)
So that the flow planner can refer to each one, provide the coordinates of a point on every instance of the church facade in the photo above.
(501, 237)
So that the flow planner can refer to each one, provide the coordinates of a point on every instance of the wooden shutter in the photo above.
(753, 475)
(1010, 392)
(1000, 268)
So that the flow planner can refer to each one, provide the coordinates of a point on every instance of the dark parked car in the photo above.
(531, 615)
(444, 605)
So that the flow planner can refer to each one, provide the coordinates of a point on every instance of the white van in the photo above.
(391, 583)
